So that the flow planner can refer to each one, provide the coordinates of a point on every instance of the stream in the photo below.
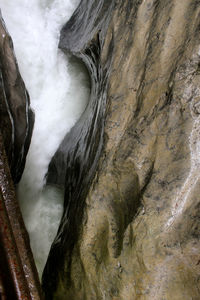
(59, 92)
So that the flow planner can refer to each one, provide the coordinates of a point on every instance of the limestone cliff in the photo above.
(16, 117)
(131, 165)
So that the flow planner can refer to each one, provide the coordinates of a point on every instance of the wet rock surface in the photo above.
(131, 165)
(16, 117)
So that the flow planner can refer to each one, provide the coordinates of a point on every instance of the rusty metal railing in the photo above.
(18, 275)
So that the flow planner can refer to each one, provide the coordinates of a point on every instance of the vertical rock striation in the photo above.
(16, 117)
(131, 165)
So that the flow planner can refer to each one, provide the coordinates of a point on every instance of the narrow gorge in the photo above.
(59, 91)
(129, 166)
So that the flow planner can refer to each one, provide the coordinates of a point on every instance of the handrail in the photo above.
(18, 275)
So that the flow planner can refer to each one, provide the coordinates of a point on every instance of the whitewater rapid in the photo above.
(59, 93)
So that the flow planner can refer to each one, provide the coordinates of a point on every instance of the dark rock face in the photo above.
(131, 165)
(16, 117)
(75, 162)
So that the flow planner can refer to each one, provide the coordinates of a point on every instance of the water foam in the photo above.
(58, 93)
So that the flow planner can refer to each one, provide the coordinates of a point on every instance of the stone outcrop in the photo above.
(16, 117)
(131, 165)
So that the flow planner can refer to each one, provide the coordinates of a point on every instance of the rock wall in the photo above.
(16, 117)
(131, 165)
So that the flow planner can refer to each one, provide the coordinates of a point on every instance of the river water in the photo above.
(59, 93)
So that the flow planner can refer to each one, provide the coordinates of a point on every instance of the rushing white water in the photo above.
(58, 93)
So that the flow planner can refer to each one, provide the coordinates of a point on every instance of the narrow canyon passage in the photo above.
(129, 166)
(59, 93)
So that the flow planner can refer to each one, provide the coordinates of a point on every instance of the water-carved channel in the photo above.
(59, 92)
